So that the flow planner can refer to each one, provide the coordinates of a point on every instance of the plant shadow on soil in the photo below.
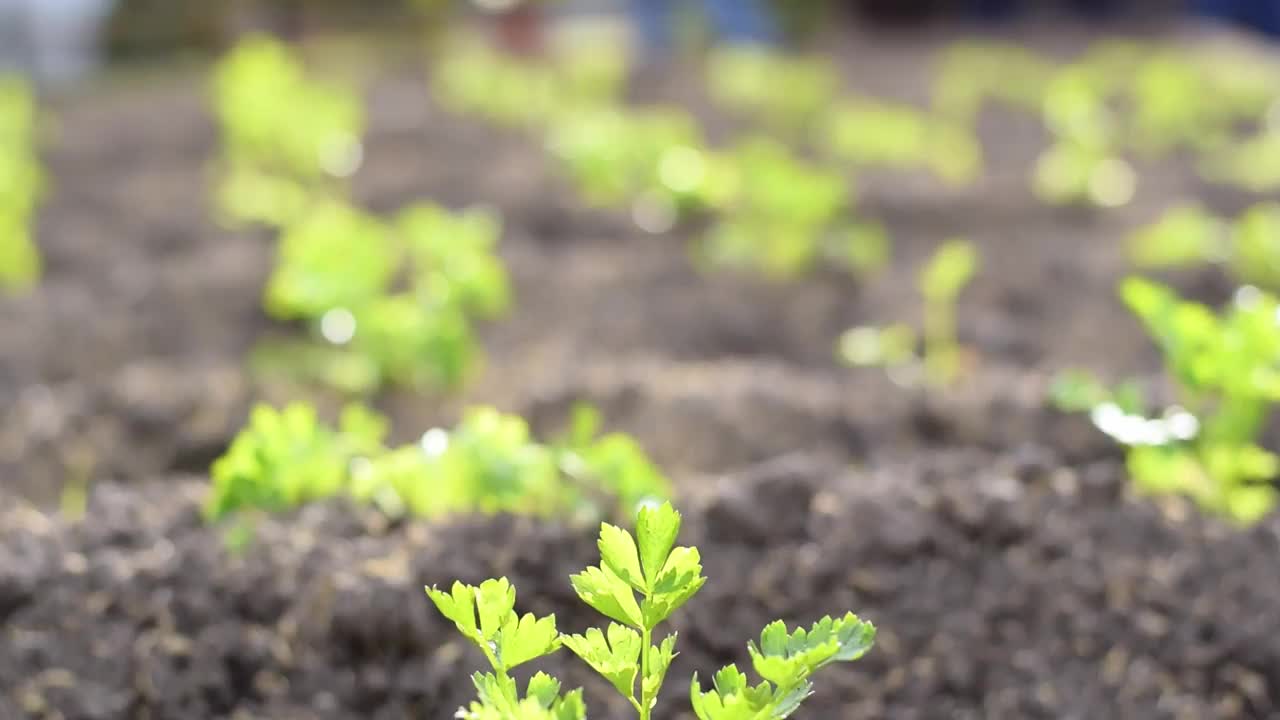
(991, 539)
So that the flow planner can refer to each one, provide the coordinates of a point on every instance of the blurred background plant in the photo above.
(22, 184)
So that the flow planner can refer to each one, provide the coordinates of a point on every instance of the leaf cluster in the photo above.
(286, 137)
(942, 361)
(472, 78)
(784, 215)
(22, 184)
(874, 133)
(642, 578)
(488, 463)
(1225, 371)
(390, 301)
(1189, 235)
(746, 80)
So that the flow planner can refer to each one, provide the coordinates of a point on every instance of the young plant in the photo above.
(489, 463)
(784, 215)
(1189, 235)
(973, 73)
(640, 581)
(1225, 369)
(942, 279)
(21, 186)
(868, 133)
(652, 161)
(471, 78)
(287, 138)
(392, 303)
(746, 80)
(1083, 166)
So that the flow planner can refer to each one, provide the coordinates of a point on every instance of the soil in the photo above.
(991, 539)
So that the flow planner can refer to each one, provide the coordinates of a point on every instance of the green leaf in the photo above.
(950, 269)
(616, 658)
(681, 578)
(656, 530)
(618, 552)
(610, 595)
(544, 688)
(660, 657)
(784, 658)
(495, 600)
(526, 639)
(458, 606)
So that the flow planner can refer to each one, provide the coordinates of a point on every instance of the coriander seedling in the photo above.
(640, 581)
(894, 347)
(287, 138)
(1225, 369)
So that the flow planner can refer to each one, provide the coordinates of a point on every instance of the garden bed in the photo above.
(990, 538)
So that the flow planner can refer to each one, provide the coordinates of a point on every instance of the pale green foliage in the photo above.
(972, 73)
(873, 133)
(786, 662)
(287, 137)
(618, 157)
(1226, 370)
(1188, 235)
(392, 302)
(784, 215)
(941, 280)
(489, 463)
(747, 80)
(22, 184)
(470, 77)
(641, 579)
(284, 458)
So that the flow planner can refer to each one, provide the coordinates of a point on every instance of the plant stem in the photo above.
(646, 702)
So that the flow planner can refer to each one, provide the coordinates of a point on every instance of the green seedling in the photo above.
(641, 580)
(971, 74)
(22, 184)
(652, 160)
(785, 215)
(1188, 235)
(868, 133)
(471, 78)
(894, 347)
(1225, 371)
(1083, 166)
(390, 302)
(489, 463)
(286, 137)
(747, 80)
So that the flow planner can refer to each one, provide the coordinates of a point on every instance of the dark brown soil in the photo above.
(990, 538)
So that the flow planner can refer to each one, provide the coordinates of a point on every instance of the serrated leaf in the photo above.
(785, 659)
(544, 688)
(660, 657)
(495, 601)
(618, 553)
(458, 606)
(616, 658)
(681, 579)
(656, 530)
(610, 595)
(526, 639)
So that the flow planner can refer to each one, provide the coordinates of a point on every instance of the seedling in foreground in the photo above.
(664, 577)
(1226, 374)
(941, 280)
